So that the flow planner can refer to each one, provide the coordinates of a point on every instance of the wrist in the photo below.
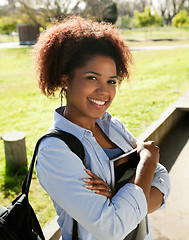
(148, 159)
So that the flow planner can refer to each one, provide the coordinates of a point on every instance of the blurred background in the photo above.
(126, 14)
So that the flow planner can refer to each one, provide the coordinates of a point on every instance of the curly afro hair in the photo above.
(70, 44)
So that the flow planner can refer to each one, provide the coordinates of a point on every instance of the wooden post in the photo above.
(15, 150)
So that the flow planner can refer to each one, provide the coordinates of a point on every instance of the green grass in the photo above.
(7, 38)
(155, 32)
(23, 108)
(158, 78)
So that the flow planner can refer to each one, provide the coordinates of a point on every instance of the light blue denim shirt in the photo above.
(61, 174)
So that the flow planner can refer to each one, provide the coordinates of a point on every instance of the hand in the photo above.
(148, 151)
(97, 185)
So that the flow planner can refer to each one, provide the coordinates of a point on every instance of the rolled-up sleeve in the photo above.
(61, 174)
(162, 182)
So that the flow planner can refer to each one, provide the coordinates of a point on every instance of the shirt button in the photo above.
(88, 133)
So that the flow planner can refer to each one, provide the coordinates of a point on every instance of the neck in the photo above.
(81, 121)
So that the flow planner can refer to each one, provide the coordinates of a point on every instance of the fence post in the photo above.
(15, 150)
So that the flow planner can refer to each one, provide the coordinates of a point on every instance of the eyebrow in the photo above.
(98, 74)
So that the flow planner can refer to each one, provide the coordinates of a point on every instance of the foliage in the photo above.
(110, 12)
(146, 18)
(125, 22)
(181, 19)
(42, 13)
(7, 25)
(166, 32)
(4, 11)
(102, 10)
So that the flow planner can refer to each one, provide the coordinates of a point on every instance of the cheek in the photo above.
(113, 94)
(79, 91)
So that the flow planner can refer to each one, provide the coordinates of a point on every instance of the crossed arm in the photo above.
(149, 158)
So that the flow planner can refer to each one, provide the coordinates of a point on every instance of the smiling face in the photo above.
(91, 90)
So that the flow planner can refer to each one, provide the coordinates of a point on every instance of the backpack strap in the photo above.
(75, 146)
(73, 143)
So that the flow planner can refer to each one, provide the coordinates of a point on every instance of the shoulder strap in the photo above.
(73, 143)
(75, 146)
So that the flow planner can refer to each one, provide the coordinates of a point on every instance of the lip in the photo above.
(97, 102)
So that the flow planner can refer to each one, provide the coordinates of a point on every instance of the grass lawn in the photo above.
(158, 78)
(7, 38)
(156, 32)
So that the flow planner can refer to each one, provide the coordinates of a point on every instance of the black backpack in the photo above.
(18, 220)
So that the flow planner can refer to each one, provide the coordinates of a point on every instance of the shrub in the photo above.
(147, 19)
(181, 19)
(7, 25)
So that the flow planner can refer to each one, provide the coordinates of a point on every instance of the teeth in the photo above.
(97, 101)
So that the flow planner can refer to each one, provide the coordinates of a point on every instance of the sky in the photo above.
(3, 2)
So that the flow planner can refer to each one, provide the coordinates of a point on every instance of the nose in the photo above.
(102, 89)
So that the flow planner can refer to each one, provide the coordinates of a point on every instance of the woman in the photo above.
(87, 60)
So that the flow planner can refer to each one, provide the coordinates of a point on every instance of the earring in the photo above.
(65, 87)
(61, 96)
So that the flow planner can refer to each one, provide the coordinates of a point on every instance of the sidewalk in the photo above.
(13, 45)
(150, 48)
(145, 48)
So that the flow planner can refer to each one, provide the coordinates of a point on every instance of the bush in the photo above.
(181, 19)
(147, 19)
(110, 13)
(7, 25)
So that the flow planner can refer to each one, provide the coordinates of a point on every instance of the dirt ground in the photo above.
(172, 223)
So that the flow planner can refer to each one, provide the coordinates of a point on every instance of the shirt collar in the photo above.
(61, 123)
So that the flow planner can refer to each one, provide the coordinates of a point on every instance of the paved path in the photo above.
(145, 48)
(149, 48)
(12, 45)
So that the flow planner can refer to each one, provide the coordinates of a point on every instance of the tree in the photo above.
(105, 10)
(43, 12)
(140, 5)
(169, 8)
(7, 25)
(110, 12)
(181, 19)
(125, 7)
(146, 18)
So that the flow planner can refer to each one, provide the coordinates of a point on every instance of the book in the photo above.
(124, 167)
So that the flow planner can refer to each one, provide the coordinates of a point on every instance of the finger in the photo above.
(96, 181)
(104, 193)
(98, 187)
(91, 174)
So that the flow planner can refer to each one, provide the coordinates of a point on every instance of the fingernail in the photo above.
(88, 186)
(86, 180)
(87, 170)
(96, 191)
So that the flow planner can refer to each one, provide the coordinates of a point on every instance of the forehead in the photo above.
(100, 63)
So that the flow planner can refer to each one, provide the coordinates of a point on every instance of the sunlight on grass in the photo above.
(155, 32)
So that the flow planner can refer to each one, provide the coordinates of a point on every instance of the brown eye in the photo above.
(91, 78)
(112, 82)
